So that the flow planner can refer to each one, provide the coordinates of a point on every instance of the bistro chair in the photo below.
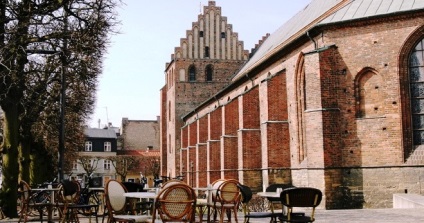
(176, 202)
(29, 202)
(69, 202)
(247, 194)
(226, 199)
(304, 197)
(116, 204)
(276, 200)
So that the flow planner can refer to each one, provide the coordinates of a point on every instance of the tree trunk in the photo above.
(9, 189)
(24, 159)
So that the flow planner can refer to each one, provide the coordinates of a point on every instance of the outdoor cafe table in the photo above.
(141, 195)
(51, 191)
(202, 204)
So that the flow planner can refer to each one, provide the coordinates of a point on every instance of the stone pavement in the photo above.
(398, 215)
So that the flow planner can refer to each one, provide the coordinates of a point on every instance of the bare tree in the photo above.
(56, 38)
(151, 166)
(89, 164)
(124, 164)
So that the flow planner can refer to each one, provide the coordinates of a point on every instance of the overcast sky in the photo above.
(133, 70)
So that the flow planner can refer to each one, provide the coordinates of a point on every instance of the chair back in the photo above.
(176, 202)
(69, 191)
(25, 191)
(228, 192)
(170, 183)
(246, 193)
(301, 197)
(133, 187)
(115, 199)
(274, 187)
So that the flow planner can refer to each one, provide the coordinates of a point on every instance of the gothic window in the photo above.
(201, 33)
(369, 94)
(301, 106)
(222, 34)
(209, 72)
(416, 80)
(192, 74)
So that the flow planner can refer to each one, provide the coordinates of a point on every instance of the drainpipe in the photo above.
(312, 39)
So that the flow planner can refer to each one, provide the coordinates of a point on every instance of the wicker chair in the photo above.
(116, 204)
(305, 197)
(29, 202)
(176, 202)
(247, 194)
(225, 199)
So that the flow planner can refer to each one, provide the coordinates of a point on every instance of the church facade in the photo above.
(333, 99)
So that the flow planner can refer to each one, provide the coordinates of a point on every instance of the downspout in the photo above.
(312, 39)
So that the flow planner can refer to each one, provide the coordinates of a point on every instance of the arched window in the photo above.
(416, 82)
(301, 106)
(209, 72)
(369, 94)
(192, 73)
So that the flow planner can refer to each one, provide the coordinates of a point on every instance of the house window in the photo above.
(192, 73)
(201, 33)
(222, 34)
(75, 165)
(416, 80)
(88, 146)
(209, 72)
(106, 164)
(107, 146)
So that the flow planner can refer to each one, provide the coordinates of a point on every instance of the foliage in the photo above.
(41, 43)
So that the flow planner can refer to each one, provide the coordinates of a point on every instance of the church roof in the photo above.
(359, 9)
(321, 12)
(100, 133)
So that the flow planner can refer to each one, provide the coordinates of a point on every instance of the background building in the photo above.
(100, 144)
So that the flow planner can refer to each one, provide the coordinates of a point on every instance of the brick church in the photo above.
(334, 99)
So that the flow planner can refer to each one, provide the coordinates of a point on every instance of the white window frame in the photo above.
(107, 146)
(75, 165)
(88, 146)
(107, 164)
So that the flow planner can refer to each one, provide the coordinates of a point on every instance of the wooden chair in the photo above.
(226, 199)
(116, 204)
(29, 202)
(69, 202)
(176, 203)
(305, 197)
(247, 194)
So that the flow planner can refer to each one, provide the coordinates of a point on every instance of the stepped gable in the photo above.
(211, 37)
(253, 50)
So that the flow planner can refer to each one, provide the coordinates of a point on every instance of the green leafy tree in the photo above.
(42, 41)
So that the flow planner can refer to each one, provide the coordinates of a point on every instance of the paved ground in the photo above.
(343, 216)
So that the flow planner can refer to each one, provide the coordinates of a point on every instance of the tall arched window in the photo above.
(209, 72)
(416, 81)
(192, 73)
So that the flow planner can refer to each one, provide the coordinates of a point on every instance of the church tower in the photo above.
(202, 65)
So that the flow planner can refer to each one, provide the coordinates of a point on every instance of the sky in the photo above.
(134, 66)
